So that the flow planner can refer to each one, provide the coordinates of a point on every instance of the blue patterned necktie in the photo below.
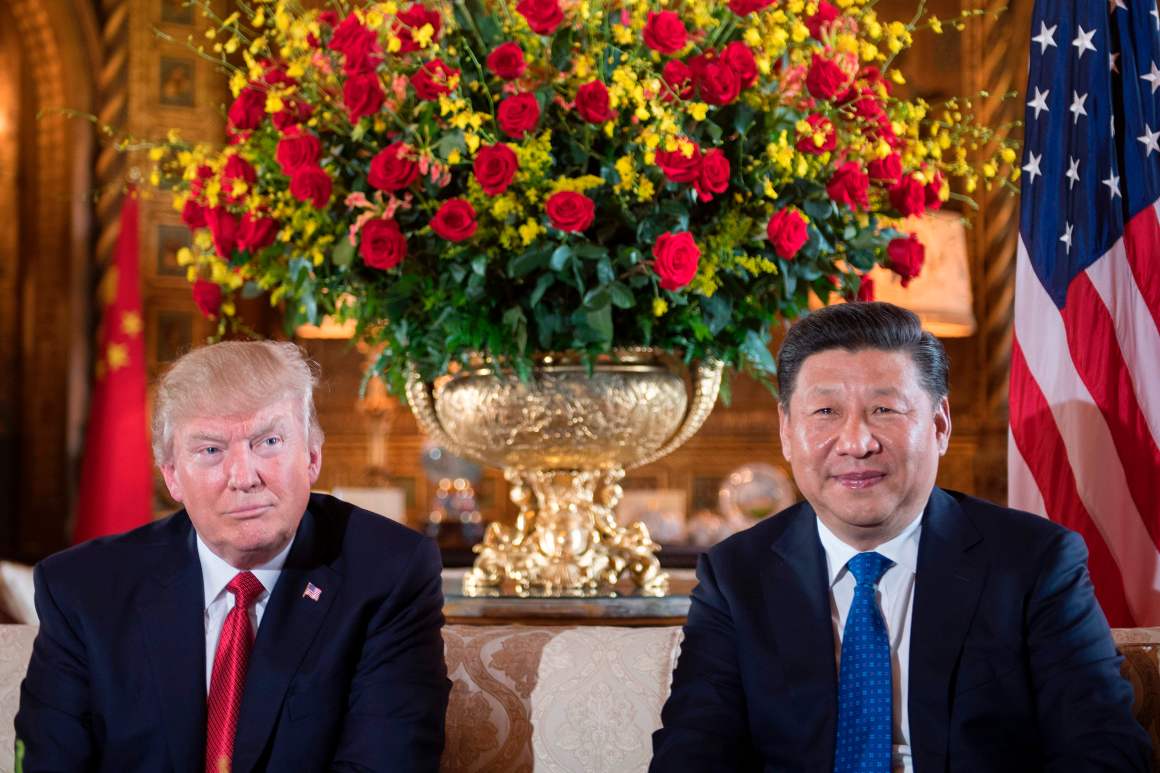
(865, 719)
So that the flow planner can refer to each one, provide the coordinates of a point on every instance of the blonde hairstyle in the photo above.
(233, 377)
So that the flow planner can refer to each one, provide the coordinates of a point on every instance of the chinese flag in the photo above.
(116, 473)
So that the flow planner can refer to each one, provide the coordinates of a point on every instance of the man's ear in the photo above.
(168, 471)
(314, 465)
(942, 425)
(783, 429)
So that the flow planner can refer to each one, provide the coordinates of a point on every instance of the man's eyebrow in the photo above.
(267, 428)
(201, 437)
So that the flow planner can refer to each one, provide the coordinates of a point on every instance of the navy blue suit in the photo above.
(1012, 664)
(353, 681)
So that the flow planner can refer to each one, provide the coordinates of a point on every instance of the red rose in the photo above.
(455, 220)
(825, 79)
(908, 196)
(256, 232)
(296, 150)
(679, 168)
(494, 168)
(787, 231)
(866, 289)
(677, 256)
(714, 176)
(906, 257)
(868, 108)
(434, 79)
(592, 103)
(543, 16)
(328, 17)
(818, 123)
(746, 7)
(740, 59)
(507, 61)
(886, 170)
(393, 168)
(358, 45)
(849, 186)
(311, 184)
(197, 185)
(934, 188)
(818, 23)
(223, 225)
(193, 214)
(414, 18)
(208, 297)
(382, 244)
(719, 84)
(248, 109)
(237, 169)
(362, 95)
(679, 78)
(295, 113)
(517, 115)
(665, 32)
(570, 211)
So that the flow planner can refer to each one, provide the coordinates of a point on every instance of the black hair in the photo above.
(858, 326)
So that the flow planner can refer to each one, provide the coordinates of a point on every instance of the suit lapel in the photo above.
(947, 587)
(796, 589)
(172, 616)
(289, 624)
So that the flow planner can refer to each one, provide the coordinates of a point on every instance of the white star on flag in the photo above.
(1046, 37)
(1072, 172)
(1083, 42)
(1032, 167)
(1113, 183)
(1114, 4)
(1077, 105)
(1151, 141)
(1066, 238)
(1114, 65)
(1153, 78)
(1156, 15)
(1040, 102)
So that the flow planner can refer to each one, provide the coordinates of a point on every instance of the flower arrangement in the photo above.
(521, 176)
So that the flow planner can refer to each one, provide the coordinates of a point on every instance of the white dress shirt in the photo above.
(896, 601)
(215, 576)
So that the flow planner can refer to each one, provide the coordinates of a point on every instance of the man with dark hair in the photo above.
(885, 624)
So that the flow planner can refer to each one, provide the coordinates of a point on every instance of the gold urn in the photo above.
(564, 441)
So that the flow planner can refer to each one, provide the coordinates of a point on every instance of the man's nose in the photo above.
(855, 438)
(243, 473)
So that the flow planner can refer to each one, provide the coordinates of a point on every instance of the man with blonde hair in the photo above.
(260, 628)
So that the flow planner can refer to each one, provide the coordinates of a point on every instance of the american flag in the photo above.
(312, 592)
(1085, 362)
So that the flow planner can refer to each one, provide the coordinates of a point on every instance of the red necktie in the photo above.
(229, 674)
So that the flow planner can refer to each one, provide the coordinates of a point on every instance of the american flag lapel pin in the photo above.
(312, 592)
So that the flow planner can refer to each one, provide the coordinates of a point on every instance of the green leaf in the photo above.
(622, 297)
(529, 261)
(250, 290)
(819, 210)
(597, 298)
(479, 265)
(343, 254)
(756, 351)
(560, 257)
(542, 284)
(592, 251)
(605, 273)
(562, 49)
(517, 324)
(718, 312)
(600, 324)
(743, 118)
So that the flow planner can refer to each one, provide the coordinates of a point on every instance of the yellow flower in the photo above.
(698, 111)
(1008, 155)
(659, 307)
(936, 25)
(646, 190)
(529, 231)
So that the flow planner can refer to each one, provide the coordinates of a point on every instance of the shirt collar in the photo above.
(216, 572)
(902, 549)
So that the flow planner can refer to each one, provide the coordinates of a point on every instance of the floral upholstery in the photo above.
(576, 699)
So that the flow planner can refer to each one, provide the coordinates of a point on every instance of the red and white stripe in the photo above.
(1085, 415)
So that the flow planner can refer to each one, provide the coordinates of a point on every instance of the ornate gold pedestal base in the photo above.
(566, 541)
(564, 441)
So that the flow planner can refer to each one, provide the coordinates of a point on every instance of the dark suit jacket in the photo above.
(1012, 665)
(353, 681)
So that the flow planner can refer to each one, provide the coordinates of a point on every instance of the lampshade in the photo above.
(941, 294)
(329, 327)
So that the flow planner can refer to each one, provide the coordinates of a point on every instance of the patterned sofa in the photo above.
(563, 699)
